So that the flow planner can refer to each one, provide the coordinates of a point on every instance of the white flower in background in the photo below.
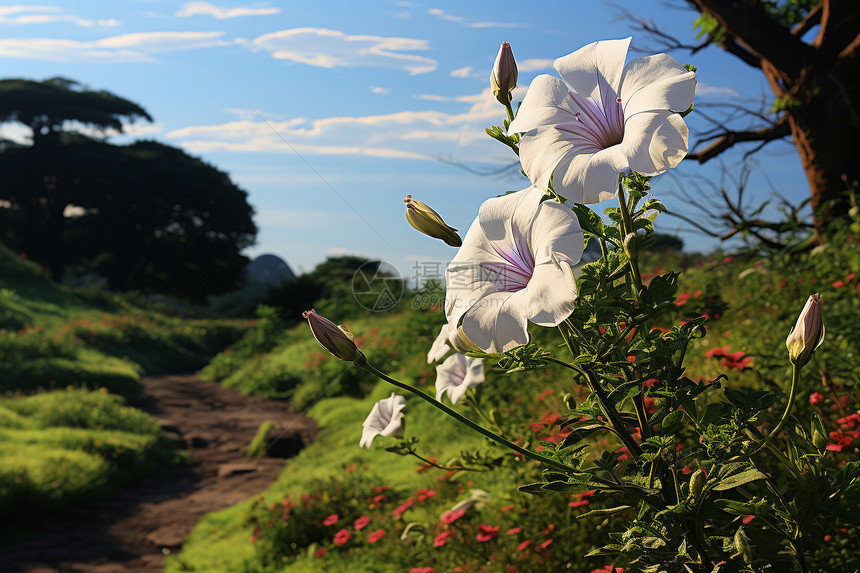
(440, 346)
(385, 419)
(603, 118)
(457, 374)
(515, 266)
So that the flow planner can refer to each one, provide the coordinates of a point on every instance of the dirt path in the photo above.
(133, 530)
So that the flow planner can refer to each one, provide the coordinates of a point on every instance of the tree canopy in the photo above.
(146, 216)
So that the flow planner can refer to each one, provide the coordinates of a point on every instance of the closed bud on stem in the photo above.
(807, 334)
(429, 222)
(338, 340)
(697, 482)
(503, 78)
(631, 245)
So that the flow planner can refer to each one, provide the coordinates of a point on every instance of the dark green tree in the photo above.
(146, 216)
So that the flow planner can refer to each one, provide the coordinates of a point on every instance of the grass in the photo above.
(70, 368)
(752, 303)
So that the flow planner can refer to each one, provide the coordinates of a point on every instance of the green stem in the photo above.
(608, 409)
(792, 394)
(460, 418)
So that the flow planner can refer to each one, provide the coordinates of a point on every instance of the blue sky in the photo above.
(328, 113)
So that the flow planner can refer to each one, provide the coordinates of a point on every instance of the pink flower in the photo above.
(487, 532)
(341, 537)
(807, 334)
(331, 519)
(361, 522)
(442, 538)
(450, 517)
(375, 536)
(815, 398)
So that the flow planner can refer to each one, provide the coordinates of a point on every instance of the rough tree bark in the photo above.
(816, 83)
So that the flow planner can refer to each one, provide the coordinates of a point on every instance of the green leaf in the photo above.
(672, 419)
(579, 434)
(605, 511)
(565, 487)
(740, 479)
(532, 488)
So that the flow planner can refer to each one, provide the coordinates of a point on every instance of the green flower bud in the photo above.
(503, 78)
(807, 334)
(697, 482)
(338, 340)
(631, 245)
(743, 549)
(429, 222)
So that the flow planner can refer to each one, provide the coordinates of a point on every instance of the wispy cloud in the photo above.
(425, 135)
(379, 90)
(332, 48)
(705, 89)
(39, 14)
(462, 72)
(534, 64)
(462, 21)
(207, 9)
(137, 47)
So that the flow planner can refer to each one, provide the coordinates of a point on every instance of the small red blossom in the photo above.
(375, 536)
(450, 517)
(578, 503)
(487, 532)
(361, 522)
(544, 394)
(524, 544)
(331, 519)
(507, 508)
(403, 507)
(320, 552)
(748, 518)
(422, 570)
(514, 530)
(341, 537)
(442, 538)
(838, 284)
(546, 544)
(815, 398)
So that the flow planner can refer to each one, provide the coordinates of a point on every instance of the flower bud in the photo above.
(503, 78)
(697, 482)
(807, 334)
(631, 245)
(743, 548)
(338, 340)
(429, 222)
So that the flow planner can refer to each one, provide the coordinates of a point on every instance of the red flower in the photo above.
(514, 531)
(331, 519)
(507, 508)
(748, 518)
(546, 544)
(422, 570)
(341, 537)
(375, 536)
(579, 503)
(320, 552)
(524, 544)
(403, 507)
(442, 538)
(544, 394)
(487, 532)
(361, 522)
(350, 469)
(452, 516)
(815, 398)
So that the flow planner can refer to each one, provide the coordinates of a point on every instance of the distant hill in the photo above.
(270, 269)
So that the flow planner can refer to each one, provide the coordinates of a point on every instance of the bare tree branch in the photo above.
(776, 131)
(809, 21)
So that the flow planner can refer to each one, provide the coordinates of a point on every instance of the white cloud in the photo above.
(331, 48)
(379, 90)
(207, 9)
(431, 97)
(459, 20)
(462, 72)
(534, 64)
(251, 114)
(271, 218)
(137, 47)
(425, 135)
(24, 14)
(705, 89)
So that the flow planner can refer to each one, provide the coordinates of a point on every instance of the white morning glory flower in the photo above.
(457, 374)
(602, 118)
(440, 346)
(385, 419)
(515, 266)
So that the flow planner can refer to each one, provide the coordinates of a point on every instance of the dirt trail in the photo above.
(134, 529)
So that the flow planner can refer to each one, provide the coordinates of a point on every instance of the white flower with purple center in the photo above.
(515, 266)
(457, 374)
(603, 118)
(385, 419)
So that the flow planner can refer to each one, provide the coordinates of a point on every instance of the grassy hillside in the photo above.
(70, 363)
(751, 302)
